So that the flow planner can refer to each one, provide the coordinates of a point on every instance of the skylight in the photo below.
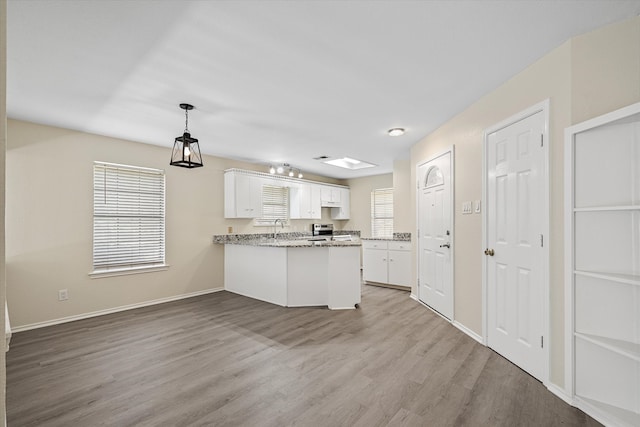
(349, 163)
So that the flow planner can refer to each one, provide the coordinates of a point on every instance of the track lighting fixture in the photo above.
(285, 167)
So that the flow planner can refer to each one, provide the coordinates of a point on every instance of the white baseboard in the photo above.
(468, 332)
(561, 393)
(455, 323)
(112, 310)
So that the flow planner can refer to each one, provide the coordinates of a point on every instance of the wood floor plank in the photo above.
(226, 360)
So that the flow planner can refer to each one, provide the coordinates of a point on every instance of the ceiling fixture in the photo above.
(186, 150)
(280, 169)
(396, 131)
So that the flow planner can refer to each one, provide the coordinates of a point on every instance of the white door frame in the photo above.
(544, 107)
(451, 150)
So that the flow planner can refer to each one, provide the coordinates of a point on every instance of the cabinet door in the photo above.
(297, 205)
(330, 196)
(344, 211)
(248, 191)
(399, 268)
(314, 202)
(242, 195)
(374, 265)
(305, 202)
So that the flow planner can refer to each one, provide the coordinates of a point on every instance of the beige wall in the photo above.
(583, 78)
(403, 193)
(361, 189)
(49, 224)
(3, 146)
(605, 70)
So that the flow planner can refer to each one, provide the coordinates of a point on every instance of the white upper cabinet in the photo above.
(242, 195)
(305, 202)
(330, 196)
(344, 210)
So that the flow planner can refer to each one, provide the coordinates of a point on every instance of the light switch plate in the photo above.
(476, 206)
(466, 208)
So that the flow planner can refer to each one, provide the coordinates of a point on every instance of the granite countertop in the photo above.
(295, 243)
(286, 240)
(397, 237)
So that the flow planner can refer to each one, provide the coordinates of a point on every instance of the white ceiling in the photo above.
(277, 81)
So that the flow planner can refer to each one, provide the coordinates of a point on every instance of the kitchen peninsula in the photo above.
(293, 273)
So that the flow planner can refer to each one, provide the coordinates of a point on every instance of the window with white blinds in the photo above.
(128, 218)
(275, 204)
(382, 213)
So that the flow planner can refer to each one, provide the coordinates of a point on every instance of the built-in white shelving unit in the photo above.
(602, 295)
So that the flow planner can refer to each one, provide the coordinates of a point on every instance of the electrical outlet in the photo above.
(63, 295)
(229, 230)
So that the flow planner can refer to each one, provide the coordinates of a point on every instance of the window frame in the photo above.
(269, 200)
(382, 211)
(137, 198)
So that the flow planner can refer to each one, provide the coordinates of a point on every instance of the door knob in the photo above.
(489, 252)
(446, 245)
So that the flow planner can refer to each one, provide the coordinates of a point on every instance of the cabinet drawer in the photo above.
(399, 246)
(374, 244)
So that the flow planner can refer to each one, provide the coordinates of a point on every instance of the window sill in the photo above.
(97, 274)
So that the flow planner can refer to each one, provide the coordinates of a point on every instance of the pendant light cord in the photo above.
(186, 120)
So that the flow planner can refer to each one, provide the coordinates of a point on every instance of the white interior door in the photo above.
(515, 211)
(435, 232)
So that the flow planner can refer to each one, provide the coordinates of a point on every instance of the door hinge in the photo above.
(417, 184)
(541, 241)
(541, 342)
(541, 140)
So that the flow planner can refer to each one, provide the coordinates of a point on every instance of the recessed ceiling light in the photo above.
(395, 131)
(349, 163)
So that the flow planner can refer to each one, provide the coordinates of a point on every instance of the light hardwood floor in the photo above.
(226, 360)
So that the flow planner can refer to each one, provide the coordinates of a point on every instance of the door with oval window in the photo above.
(435, 233)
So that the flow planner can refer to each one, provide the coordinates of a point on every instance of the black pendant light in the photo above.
(186, 150)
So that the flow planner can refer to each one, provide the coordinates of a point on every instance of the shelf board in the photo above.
(629, 279)
(608, 208)
(625, 348)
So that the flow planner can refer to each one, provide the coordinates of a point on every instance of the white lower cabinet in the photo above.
(387, 262)
(295, 276)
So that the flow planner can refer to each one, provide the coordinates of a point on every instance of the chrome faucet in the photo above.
(275, 227)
